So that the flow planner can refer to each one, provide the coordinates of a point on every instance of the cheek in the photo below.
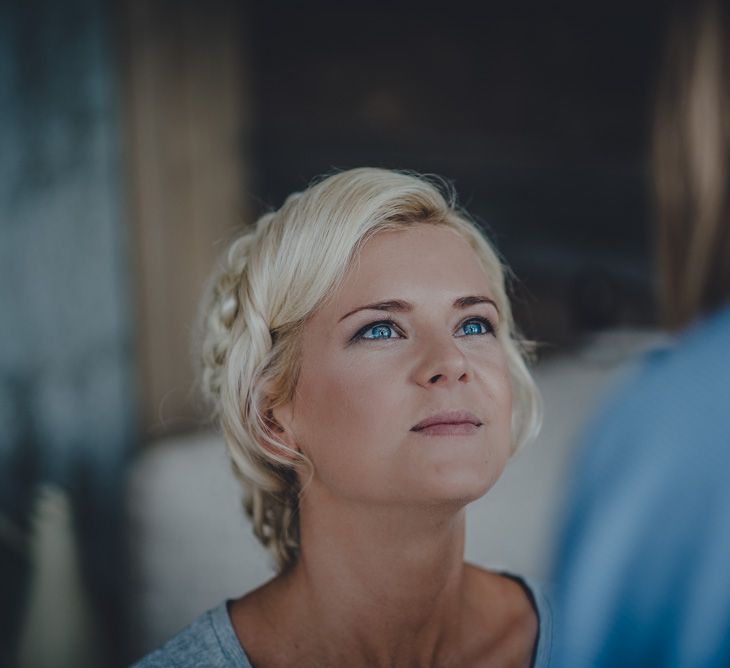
(505, 392)
(342, 406)
(494, 380)
(497, 390)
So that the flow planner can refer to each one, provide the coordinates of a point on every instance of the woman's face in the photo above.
(369, 374)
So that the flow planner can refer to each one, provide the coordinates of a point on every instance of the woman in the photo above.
(642, 571)
(362, 360)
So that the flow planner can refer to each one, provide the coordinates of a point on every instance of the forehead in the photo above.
(420, 264)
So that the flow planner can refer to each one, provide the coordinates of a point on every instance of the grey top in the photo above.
(211, 642)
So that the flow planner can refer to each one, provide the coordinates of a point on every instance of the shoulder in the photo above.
(677, 396)
(692, 372)
(208, 641)
(539, 601)
(515, 621)
(659, 449)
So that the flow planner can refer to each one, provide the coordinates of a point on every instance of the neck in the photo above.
(386, 585)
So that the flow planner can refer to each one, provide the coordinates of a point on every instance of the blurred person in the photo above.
(360, 355)
(642, 572)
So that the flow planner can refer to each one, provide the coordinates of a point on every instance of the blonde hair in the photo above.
(691, 150)
(272, 279)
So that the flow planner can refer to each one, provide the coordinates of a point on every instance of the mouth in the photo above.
(449, 422)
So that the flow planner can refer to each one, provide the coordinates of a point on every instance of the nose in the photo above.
(443, 363)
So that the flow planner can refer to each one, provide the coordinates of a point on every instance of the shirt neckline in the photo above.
(228, 640)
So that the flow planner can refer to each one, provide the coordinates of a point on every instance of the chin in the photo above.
(465, 474)
(457, 488)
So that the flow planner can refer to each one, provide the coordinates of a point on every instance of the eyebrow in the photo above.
(400, 306)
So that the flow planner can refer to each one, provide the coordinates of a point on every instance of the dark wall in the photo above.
(538, 112)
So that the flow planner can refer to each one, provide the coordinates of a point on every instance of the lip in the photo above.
(460, 417)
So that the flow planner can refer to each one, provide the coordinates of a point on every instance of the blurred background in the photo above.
(137, 137)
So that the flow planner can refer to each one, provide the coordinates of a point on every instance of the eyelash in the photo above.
(390, 323)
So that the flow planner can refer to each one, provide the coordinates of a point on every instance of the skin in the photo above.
(381, 578)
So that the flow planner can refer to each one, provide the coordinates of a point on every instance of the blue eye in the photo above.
(474, 326)
(381, 330)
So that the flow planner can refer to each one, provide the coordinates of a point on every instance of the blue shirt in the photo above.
(642, 572)
(211, 642)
